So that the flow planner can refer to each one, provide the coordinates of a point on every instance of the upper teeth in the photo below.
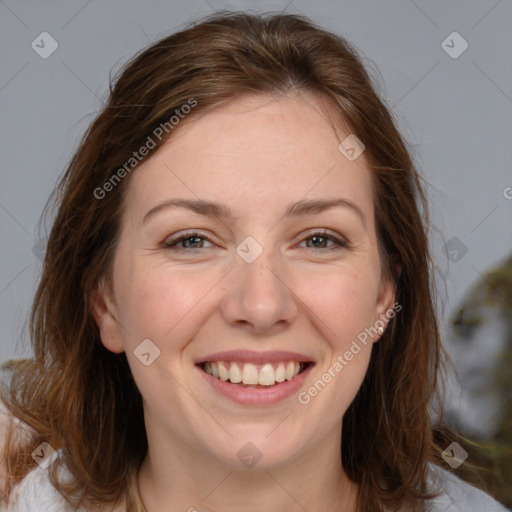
(247, 373)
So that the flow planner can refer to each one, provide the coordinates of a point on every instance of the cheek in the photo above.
(346, 305)
(161, 305)
(345, 300)
(155, 300)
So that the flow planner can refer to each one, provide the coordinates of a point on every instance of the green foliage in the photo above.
(493, 457)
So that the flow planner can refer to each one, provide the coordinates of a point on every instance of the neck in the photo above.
(175, 475)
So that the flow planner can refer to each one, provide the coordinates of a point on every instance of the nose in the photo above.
(258, 296)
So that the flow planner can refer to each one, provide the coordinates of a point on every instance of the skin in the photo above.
(256, 156)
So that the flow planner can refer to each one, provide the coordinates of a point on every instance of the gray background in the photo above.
(455, 113)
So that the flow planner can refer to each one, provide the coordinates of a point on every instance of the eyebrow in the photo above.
(217, 210)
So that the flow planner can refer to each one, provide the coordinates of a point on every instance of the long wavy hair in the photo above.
(81, 398)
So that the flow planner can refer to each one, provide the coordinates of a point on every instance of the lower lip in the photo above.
(258, 396)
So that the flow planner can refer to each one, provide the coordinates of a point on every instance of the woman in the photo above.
(235, 309)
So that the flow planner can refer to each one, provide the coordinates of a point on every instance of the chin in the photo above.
(257, 449)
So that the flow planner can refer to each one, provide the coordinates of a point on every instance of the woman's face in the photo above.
(268, 273)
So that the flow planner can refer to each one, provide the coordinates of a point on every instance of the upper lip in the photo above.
(251, 356)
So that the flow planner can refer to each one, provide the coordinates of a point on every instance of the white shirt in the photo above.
(36, 494)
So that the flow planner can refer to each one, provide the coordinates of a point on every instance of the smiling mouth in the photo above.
(254, 375)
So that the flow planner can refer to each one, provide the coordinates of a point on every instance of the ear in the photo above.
(386, 307)
(104, 314)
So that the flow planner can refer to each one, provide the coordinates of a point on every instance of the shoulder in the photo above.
(457, 495)
(7, 424)
(35, 492)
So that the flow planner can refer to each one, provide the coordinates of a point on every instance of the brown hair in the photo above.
(77, 395)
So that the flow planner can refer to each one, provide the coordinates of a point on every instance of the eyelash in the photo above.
(340, 244)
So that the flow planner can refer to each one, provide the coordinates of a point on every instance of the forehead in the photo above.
(255, 152)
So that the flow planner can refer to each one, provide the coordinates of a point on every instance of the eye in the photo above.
(320, 239)
(192, 240)
(196, 240)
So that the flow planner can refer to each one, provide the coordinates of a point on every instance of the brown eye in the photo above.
(320, 240)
